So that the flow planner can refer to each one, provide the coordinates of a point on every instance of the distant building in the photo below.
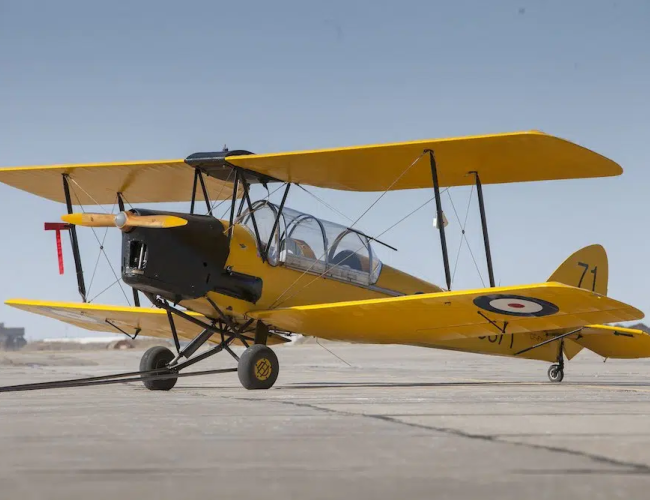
(12, 339)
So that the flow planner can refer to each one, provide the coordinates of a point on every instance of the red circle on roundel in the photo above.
(516, 305)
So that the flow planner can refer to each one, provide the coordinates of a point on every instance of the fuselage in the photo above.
(187, 264)
(203, 263)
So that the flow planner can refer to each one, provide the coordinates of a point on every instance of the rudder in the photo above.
(587, 268)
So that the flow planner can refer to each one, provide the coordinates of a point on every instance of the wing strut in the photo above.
(554, 339)
(486, 238)
(277, 222)
(441, 226)
(75, 242)
(233, 205)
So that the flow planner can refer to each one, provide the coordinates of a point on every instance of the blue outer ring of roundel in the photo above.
(548, 308)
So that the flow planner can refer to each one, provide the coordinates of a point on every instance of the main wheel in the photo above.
(258, 367)
(555, 373)
(154, 358)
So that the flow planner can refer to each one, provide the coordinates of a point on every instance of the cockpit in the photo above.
(306, 243)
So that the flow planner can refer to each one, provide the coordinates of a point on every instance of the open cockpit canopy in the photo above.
(306, 243)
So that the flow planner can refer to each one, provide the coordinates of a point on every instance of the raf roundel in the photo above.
(515, 305)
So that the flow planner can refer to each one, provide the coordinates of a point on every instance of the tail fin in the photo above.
(587, 268)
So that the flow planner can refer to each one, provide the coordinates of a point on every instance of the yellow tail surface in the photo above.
(587, 268)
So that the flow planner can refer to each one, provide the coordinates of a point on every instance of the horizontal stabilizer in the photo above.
(426, 319)
(615, 341)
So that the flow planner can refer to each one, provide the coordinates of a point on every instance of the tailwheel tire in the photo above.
(555, 373)
(154, 358)
(258, 367)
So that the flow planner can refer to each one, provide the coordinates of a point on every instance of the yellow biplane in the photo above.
(269, 272)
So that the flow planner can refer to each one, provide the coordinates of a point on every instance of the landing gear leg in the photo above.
(556, 371)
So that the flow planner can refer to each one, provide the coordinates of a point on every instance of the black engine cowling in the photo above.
(185, 262)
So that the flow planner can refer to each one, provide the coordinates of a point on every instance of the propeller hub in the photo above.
(121, 219)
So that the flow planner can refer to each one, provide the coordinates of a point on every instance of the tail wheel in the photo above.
(154, 358)
(258, 367)
(555, 373)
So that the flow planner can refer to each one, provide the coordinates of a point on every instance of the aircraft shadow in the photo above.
(388, 385)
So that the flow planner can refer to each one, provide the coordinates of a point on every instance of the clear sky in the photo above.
(90, 81)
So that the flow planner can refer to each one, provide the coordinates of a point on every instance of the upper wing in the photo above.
(152, 322)
(99, 183)
(500, 158)
(427, 318)
(615, 341)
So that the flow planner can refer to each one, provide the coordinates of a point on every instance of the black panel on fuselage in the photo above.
(183, 263)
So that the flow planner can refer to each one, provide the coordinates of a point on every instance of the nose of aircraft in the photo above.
(183, 262)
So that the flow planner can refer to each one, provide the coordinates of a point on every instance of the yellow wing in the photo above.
(500, 158)
(152, 322)
(615, 341)
(427, 319)
(99, 183)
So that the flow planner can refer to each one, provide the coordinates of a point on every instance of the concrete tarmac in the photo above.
(399, 423)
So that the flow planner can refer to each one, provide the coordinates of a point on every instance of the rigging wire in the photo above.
(99, 254)
(106, 289)
(127, 201)
(277, 301)
(333, 209)
(346, 258)
(88, 195)
(101, 247)
(331, 352)
(216, 205)
(464, 236)
(268, 195)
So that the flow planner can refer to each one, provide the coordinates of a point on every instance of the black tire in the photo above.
(258, 367)
(555, 373)
(153, 358)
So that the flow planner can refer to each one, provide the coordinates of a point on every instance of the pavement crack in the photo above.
(633, 468)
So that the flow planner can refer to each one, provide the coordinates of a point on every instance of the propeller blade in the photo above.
(126, 220)
(90, 220)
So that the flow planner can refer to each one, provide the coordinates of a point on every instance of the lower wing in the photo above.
(427, 319)
(146, 321)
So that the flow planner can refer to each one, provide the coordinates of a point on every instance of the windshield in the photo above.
(307, 243)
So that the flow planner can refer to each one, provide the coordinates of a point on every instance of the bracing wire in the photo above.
(99, 254)
(216, 205)
(277, 302)
(332, 353)
(106, 289)
(101, 246)
(333, 209)
(268, 195)
(88, 195)
(464, 236)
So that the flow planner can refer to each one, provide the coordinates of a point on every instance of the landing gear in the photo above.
(155, 358)
(258, 367)
(556, 371)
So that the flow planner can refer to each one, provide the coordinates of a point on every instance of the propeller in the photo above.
(124, 220)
